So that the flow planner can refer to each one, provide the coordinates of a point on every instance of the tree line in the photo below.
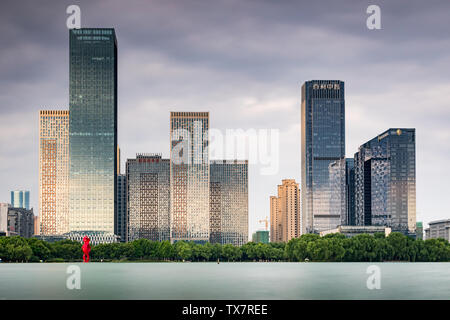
(309, 247)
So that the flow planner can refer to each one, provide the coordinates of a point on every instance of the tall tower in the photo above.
(229, 202)
(189, 176)
(385, 181)
(322, 151)
(285, 223)
(53, 172)
(93, 129)
(148, 197)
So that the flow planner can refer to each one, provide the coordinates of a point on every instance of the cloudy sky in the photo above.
(244, 61)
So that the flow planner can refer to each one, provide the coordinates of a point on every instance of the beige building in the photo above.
(285, 219)
(53, 172)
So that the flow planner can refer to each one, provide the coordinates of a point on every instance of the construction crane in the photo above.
(266, 220)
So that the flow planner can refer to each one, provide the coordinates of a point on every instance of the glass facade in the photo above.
(350, 190)
(385, 181)
(229, 202)
(322, 150)
(120, 225)
(20, 199)
(92, 129)
(189, 176)
(148, 189)
(54, 172)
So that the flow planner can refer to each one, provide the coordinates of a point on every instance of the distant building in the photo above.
(96, 237)
(419, 231)
(350, 191)
(20, 222)
(4, 207)
(148, 190)
(438, 229)
(351, 231)
(322, 150)
(20, 199)
(53, 172)
(229, 202)
(385, 181)
(36, 227)
(261, 236)
(285, 218)
(120, 224)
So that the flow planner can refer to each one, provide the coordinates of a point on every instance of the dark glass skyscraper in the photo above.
(323, 154)
(350, 190)
(385, 181)
(92, 129)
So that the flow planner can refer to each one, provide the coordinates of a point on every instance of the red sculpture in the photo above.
(86, 248)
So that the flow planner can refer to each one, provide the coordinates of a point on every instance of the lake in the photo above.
(225, 281)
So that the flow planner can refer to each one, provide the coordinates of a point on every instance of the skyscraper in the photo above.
(322, 143)
(385, 181)
(285, 218)
(229, 202)
(53, 172)
(20, 199)
(120, 224)
(189, 176)
(350, 190)
(93, 129)
(148, 189)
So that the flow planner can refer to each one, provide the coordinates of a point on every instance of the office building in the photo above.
(54, 172)
(229, 202)
(20, 199)
(120, 225)
(20, 222)
(322, 151)
(148, 189)
(438, 229)
(36, 226)
(350, 190)
(385, 181)
(285, 219)
(351, 231)
(92, 129)
(189, 176)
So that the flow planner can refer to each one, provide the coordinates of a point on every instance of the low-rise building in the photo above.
(20, 222)
(350, 231)
(438, 229)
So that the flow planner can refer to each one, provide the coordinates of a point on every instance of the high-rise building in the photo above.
(148, 189)
(36, 226)
(20, 222)
(93, 129)
(275, 222)
(189, 176)
(385, 181)
(229, 202)
(20, 199)
(53, 172)
(120, 225)
(350, 190)
(322, 144)
(286, 220)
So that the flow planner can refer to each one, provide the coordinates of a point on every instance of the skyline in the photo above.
(143, 112)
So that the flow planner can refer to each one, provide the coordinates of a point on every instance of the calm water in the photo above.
(225, 281)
